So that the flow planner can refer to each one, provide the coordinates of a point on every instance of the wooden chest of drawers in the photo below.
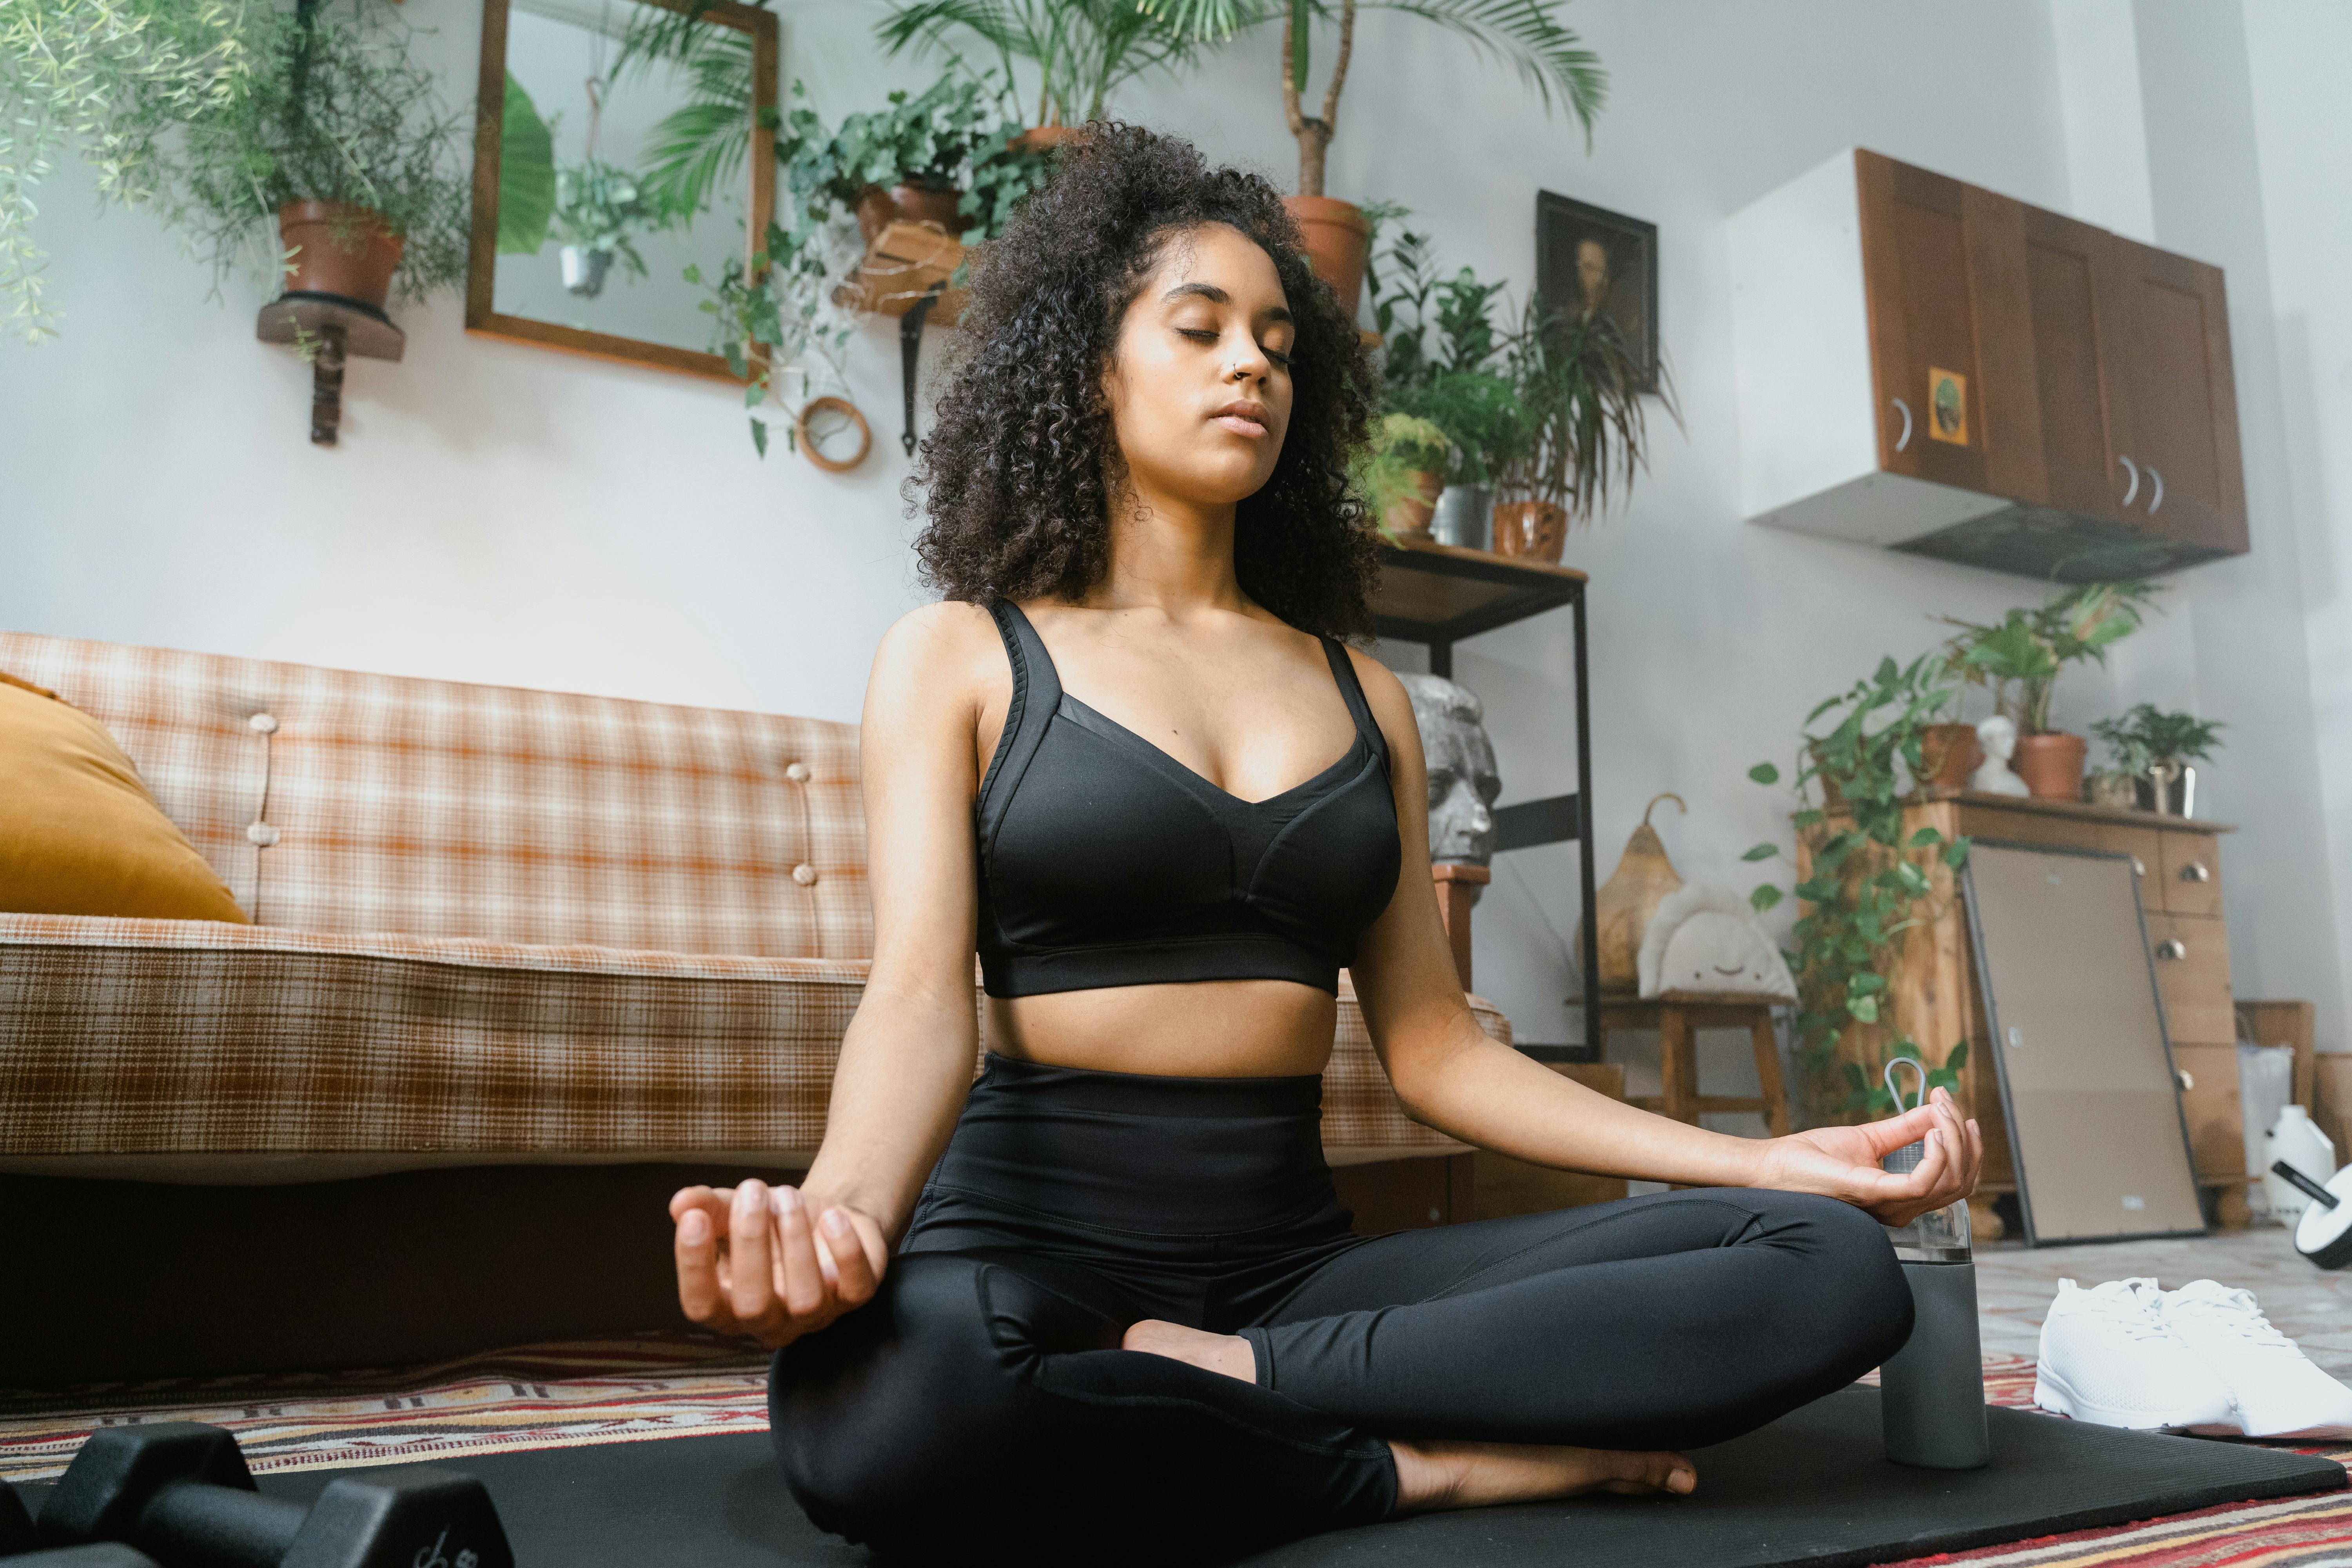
(1933, 983)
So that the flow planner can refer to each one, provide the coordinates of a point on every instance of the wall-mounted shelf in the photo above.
(1436, 594)
(906, 262)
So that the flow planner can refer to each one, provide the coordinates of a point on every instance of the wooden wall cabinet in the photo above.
(1933, 367)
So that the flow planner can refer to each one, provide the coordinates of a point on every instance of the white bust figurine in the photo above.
(1997, 735)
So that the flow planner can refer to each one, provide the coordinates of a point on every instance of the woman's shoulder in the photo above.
(948, 649)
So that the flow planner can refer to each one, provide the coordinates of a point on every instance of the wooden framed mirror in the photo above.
(603, 168)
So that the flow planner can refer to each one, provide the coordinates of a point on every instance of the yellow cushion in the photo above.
(80, 835)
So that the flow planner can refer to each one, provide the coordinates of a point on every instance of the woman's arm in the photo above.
(780, 1263)
(1453, 1076)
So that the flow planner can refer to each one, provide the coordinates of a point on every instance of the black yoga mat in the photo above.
(1812, 1487)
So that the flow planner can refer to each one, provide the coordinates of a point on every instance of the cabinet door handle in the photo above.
(2157, 500)
(2172, 947)
(1905, 439)
(2195, 871)
(2133, 470)
(2187, 1079)
(2139, 867)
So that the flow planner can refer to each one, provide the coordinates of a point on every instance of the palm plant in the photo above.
(1528, 33)
(1080, 49)
(107, 79)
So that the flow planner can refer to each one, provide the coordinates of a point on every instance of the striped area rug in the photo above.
(678, 1384)
(660, 1385)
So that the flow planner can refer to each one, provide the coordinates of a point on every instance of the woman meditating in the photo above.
(1101, 1306)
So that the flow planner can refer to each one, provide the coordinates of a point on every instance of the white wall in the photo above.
(506, 514)
(2302, 123)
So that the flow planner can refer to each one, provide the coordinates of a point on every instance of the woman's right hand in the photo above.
(750, 1262)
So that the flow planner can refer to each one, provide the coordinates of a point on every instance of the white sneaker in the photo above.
(2109, 1357)
(2277, 1391)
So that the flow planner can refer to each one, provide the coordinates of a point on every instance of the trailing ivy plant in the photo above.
(1867, 878)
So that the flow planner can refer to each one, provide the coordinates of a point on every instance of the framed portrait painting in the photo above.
(1590, 259)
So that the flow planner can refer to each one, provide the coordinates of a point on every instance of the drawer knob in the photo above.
(2195, 871)
(2172, 947)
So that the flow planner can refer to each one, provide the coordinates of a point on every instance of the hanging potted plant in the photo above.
(2020, 659)
(599, 207)
(1529, 35)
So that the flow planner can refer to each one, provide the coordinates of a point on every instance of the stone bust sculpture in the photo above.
(1462, 781)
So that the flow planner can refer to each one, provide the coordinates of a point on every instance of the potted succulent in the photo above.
(1861, 875)
(2156, 750)
(2020, 659)
(339, 142)
(1528, 33)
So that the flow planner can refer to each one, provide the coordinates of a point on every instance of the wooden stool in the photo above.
(1677, 1017)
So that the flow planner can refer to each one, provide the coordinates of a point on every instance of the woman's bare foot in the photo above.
(1444, 1474)
(1227, 1354)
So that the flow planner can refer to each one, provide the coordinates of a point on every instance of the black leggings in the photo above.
(980, 1409)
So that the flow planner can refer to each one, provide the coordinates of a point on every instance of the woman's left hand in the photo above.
(1842, 1161)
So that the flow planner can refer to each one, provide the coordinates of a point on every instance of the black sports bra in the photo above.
(1105, 861)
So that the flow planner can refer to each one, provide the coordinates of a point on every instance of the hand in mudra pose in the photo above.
(1842, 1161)
(752, 1260)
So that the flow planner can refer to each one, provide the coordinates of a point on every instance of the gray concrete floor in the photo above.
(2015, 1284)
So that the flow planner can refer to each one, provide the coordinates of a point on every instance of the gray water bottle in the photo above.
(1931, 1392)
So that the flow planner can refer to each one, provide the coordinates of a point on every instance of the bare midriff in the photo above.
(1200, 1028)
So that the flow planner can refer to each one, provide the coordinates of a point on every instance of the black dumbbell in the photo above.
(180, 1492)
(20, 1545)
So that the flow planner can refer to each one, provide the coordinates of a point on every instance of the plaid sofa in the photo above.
(491, 926)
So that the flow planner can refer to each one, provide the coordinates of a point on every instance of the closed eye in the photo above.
(1201, 334)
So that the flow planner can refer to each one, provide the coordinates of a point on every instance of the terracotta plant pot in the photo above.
(1040, 137)
(1531, 530)
(1948, 754)
(1833, 798)
(878, 209)
(344, 250)
(2051, 764)
(1411, 514)
(1338, 242)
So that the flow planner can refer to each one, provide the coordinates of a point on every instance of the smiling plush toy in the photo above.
(1705, 937)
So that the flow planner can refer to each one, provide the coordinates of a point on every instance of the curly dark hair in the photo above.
(1013, 476)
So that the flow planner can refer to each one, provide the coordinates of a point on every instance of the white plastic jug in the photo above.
(2298, 1140)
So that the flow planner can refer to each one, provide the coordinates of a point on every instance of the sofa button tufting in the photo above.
(798, 773)
(803, 873)
(265, 723)
(261, 833)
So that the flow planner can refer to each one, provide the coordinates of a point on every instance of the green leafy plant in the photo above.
(331, 109)
(2146, 735)
(2020, 656)
(1401, 448)
(1544, 410)
(110, 81)
(1864, 875)
(781, 300)
(1577, 380)
(526, 175)
(1079, 50)
(1528, 33)
(599, 206)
